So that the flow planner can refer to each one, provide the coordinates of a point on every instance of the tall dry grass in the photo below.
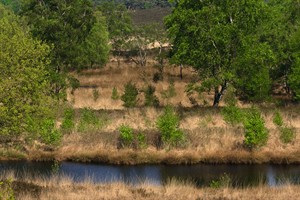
(61, 188)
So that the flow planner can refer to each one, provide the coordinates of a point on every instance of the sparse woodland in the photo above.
(176, 82)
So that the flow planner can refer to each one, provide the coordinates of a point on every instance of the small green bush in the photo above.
(223, 181)
(49, 134)
(256, 133)
(130, 95)
(141, 139)
(96, 94)
(115, 94)
(168, 125)
(68, 120)
(232, 115)
(277, 119)
(126, 136)
(287, 134)
(150, 98)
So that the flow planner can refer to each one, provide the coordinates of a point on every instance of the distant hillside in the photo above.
(148, 16)
(139, 4)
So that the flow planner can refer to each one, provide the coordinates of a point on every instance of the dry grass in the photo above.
(209, 139)
(61, 188)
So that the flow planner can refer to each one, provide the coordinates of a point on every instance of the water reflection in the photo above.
(201, 175)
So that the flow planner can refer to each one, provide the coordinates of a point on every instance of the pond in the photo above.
(200, 175)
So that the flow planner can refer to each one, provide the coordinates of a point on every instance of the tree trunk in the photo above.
(181, 77)
(219, 94)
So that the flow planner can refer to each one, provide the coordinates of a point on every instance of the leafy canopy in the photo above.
(217, 38)
(24, 84)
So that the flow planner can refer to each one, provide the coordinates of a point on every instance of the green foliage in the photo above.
(68, 123)
(49, 134)
(95, 48)
(232, 115)
(6, 190)
(141, 140)
(168, 125)
(95, 94)
(126, 136)
(130, 95)
(287, 134)
(115, 94)
(64, 24)
(223, 181)
(211, 46)
(150, 98)
(90, 121)
(294, 79)
(118, 22)
(277, 119)
(170, 92)
(74, 83)
(230, 96)
(24, 82)
(254, 83)
(256, 133)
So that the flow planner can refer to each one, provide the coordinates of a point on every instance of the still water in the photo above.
(201, 175)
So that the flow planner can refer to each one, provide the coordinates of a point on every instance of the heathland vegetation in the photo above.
(94, 81)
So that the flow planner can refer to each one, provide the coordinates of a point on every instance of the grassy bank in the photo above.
(64, 188)
(208, 139)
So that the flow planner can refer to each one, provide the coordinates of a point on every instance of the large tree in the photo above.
(24, 83)
(218, 38)
(63, 24)
(77, 37)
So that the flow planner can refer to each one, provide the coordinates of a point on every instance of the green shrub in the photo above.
(256, 133)
(223, 181)
(130, 95)
(49, 134)
(90, 121)
(141, 139)
(150, 98)
(277, 119)
(6, 190)
(68, 120)
(287, 134)
(115, 95)
(95, 94)
(232, 115)
(168, 125)
(126, 136)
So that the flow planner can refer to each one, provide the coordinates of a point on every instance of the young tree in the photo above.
(95, 48)
(119, 25)
(213, 36)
